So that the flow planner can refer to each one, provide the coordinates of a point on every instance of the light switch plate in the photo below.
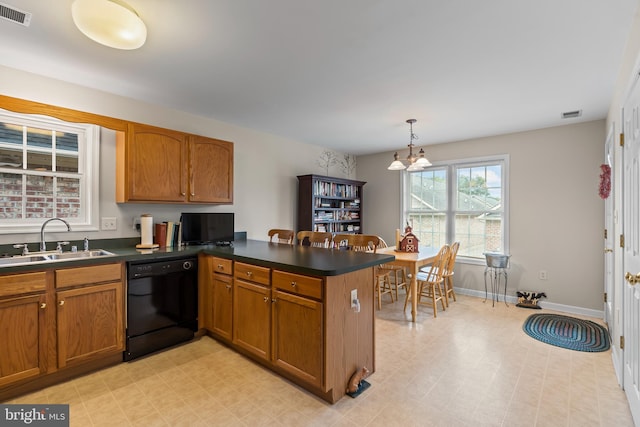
(108, 223)
(354, 297)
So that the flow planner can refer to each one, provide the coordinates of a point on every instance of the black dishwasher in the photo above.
(162, 304)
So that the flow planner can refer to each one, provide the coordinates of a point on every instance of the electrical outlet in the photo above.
(542, 275)
(354, 297)
(108, 223)
(136, 223)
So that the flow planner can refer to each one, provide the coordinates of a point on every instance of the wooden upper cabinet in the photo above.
(211, 170)
(166, 166)
(152, 164)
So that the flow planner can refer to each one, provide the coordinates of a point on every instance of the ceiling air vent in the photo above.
(12, 14)
(571, 114)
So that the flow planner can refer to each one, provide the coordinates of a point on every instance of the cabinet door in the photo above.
(211, 170)
(297, 337)
(222, 306)
(24, 338)
(156, 164)
(252, 318)
(90, 322)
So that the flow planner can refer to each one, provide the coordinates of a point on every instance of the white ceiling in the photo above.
(346, 74)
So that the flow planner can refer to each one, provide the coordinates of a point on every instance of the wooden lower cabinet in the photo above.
(215, 283)
(73, 316)
(24, 318)
(90, 322)
(252, 318)
(298, 337)
(300, 326)
(23, 334)
(222, 316)
(90, 304)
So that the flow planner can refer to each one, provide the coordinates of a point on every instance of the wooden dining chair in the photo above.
(358, 242)
(279, 235)
(315, 239)
(369, 243)
(430, 283)
(447, 284)
(398, 274)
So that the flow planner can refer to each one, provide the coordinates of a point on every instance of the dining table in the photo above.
(413, 261)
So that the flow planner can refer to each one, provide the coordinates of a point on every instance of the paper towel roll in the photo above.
(146, 229)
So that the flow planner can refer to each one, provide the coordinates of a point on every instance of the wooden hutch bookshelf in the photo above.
(329, 204)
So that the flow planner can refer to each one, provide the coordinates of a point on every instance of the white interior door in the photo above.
(631, 220)
(609, 289)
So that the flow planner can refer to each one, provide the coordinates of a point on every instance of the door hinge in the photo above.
(605, 233)
(622, 140)
(621, 342)
(605, 297)
(622, 240)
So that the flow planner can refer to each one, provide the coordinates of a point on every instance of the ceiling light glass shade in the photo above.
(422, 161)
(396, 165)
(112, 23)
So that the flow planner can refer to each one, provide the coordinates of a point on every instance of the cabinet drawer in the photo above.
(87, 275)
(221, 265)
(252, 273)
(298, 284)
(15, 284)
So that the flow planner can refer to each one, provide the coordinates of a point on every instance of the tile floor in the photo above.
(471, 366)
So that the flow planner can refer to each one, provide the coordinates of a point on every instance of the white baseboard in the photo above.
(598, 314)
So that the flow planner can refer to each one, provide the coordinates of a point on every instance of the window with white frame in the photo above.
(48, 168)
(465, 201)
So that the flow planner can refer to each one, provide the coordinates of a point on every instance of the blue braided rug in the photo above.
(567, 332)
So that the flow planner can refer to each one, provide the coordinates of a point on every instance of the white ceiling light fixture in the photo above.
(112, 23)
(416, 162)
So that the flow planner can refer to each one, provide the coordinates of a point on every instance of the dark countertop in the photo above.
(295, 259)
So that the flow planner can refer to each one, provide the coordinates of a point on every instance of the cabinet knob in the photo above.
(294, 284)
(229, 287)
(249, 273)
(220, 267)
(193, 194)
(274, 300)
(61, 302)
(183, 194)
(43, 305)
(266, 299)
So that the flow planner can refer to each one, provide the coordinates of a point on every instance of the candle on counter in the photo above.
(397, 238)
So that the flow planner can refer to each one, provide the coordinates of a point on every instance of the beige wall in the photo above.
(265, 172)
(555, 212)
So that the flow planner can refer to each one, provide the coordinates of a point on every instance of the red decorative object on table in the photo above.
(605, 181)
(409, 242)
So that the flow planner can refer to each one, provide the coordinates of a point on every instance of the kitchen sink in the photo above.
(78, 255)
(52, 256)
(21, 260)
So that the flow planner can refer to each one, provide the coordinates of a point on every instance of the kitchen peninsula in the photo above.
(286, 307)
(289, 308)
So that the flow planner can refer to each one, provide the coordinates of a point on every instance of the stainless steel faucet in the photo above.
(43, 245)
